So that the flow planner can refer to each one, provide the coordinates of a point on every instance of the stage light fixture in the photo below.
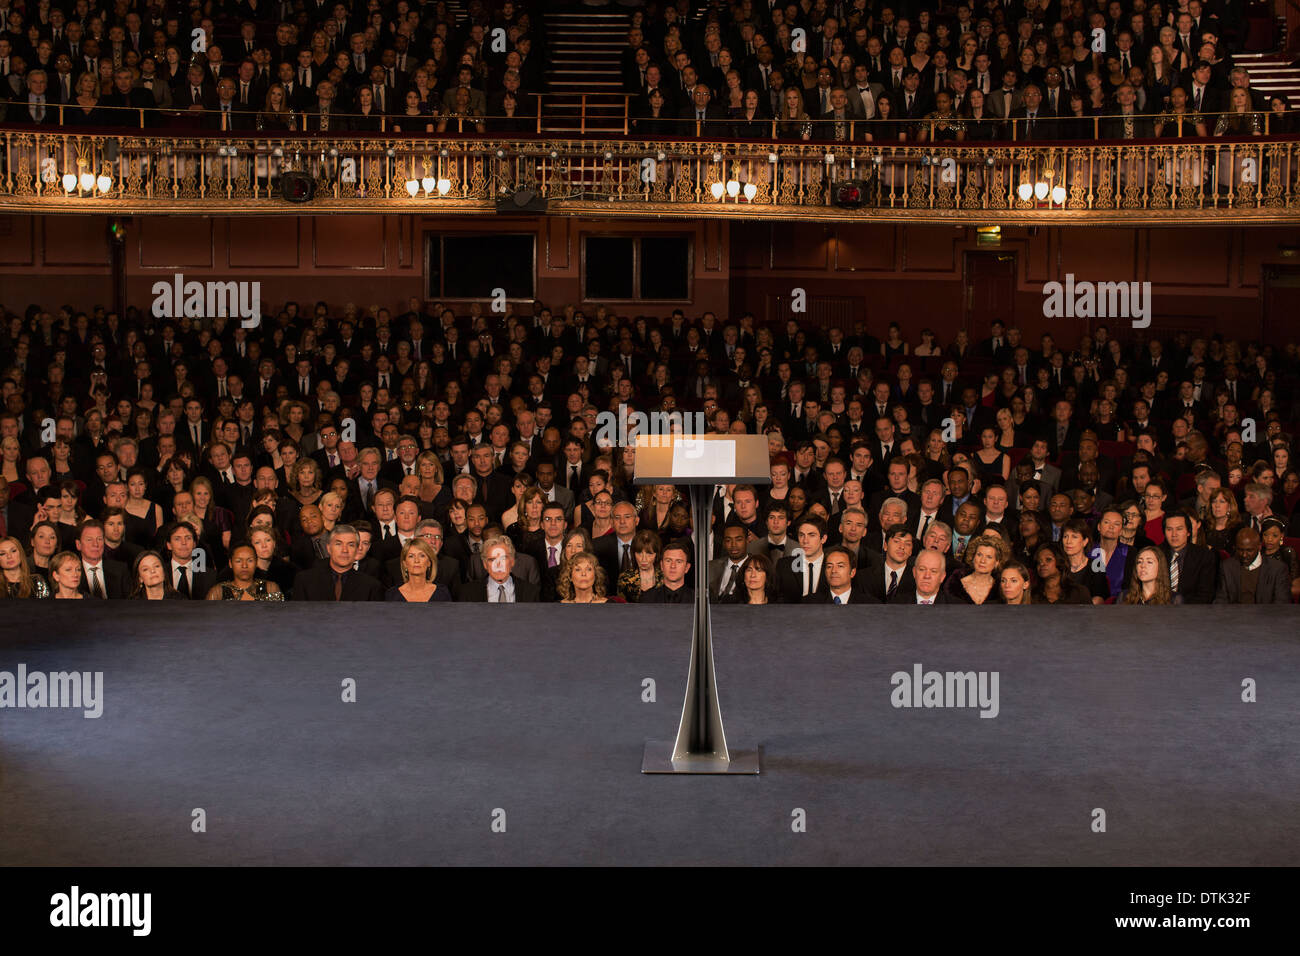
(851, 194)
(1025, 191)
(733, 188)
(717, 189)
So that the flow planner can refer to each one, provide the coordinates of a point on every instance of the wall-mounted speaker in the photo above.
(297, 187)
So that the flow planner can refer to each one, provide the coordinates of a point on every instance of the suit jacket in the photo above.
(201, 582)
(116, 579)
(1196, 578)
(871, 578)
(317, 584)
(525, 593)
(790, 583)
(1272, 587)
(1044, 124)
(857, 595)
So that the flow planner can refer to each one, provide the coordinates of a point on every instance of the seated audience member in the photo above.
(1014, 584)
(336, 578)
(1248, 576)
(245, 585)
(977, 582)
(1193, 569)
(18, 580)
(840, 571)
(582, 580)
(758, 582)
(1149, 581)
(150, 575)
(419, 569)
(499, 584)
(674, 563)
(65, 573)
(929, 570)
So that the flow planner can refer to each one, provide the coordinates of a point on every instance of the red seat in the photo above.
(1116, 449)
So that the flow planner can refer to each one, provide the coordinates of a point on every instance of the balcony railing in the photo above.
(1176, 180)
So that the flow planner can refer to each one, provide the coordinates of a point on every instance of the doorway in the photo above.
(990, 280)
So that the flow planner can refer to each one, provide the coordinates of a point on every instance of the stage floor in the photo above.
(465, 710)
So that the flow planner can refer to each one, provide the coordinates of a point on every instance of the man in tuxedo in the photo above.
(1250, 576)
(1193, 568)
(674, 564)
(724, 572)
(1062, 433)
(337, 578)
(199, 94)
(499, 585)
(801, 573)
(1006, 99)
(545, 474)
(843, 585)
(189, 577)
(100, 578)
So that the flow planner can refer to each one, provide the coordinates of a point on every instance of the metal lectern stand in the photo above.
(701, 744)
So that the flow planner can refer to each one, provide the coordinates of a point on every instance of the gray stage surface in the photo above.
(463, 710)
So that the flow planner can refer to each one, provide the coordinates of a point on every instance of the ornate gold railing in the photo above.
(1185, 181)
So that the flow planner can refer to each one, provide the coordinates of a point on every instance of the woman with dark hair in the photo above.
(1013, 584)
(245, 585)
(1076, 544)
(759, 581)
(149, 572)
(1054, 585)
(644, 573)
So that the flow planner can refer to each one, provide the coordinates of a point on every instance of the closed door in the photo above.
(990, 289)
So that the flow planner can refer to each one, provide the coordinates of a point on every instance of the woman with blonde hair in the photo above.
(419, 569)
(976, 583)
(1149, 581)
(304, 481)
(654, 503)
(218, 522)
(581, 580)
(16, 578)
(429, 470)
(331, 509)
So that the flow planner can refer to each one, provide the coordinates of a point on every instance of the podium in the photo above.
(701, 462)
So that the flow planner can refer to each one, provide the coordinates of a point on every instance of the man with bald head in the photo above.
(1251, 577)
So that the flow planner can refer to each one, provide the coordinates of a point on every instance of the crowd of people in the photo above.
(420, 454)
(273, 65)
(842, 70)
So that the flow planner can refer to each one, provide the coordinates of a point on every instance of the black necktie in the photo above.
(893, 583)
(184, 586)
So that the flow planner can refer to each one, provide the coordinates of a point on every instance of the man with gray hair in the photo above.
(336, 579)
(500, 586)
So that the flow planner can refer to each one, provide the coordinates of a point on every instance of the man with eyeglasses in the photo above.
(404, 464)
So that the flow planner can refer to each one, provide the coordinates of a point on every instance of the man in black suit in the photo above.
(499, 585)
(702, 118)
(928, 575)
(674, 562)
(126, 100)
(1032, 121)
(337, 579)
(100, 578)
(189, 572)
(842, 583)
(802, 573)
(1251, 577)
(1192, 567)
(614, 551)
(36, 106)
(888, 572)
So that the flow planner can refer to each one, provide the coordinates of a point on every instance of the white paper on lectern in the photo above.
(695, 458)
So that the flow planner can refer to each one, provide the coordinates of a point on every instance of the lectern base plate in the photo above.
(659, 759)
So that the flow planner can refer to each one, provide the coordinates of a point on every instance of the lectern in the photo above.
(701, 462)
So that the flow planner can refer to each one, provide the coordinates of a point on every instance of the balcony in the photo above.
(1186, 181)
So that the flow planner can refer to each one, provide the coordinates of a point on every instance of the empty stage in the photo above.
(464, 711)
